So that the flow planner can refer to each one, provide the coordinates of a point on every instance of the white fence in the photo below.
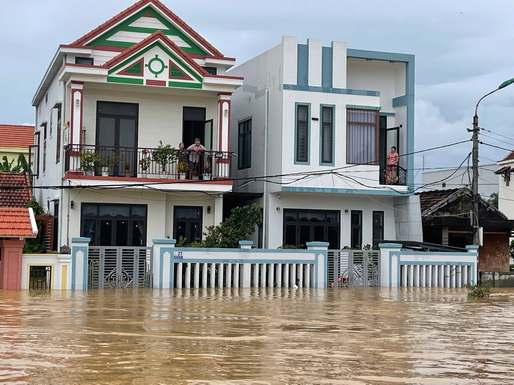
(246, 267)
(427, 269)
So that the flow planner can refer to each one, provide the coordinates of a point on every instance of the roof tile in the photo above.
(15, 222)
(12, 135)
(15, 190)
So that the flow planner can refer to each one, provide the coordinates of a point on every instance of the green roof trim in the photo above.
(171, 30)
(117, 79)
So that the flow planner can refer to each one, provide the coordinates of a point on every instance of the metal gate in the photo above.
(119, 267)
(350, 268)
(40, 277)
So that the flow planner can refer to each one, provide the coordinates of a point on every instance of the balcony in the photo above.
(163, 162)
(393, 175)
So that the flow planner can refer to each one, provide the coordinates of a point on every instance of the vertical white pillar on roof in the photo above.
(339, 64)
(314, 66)
(290, 59)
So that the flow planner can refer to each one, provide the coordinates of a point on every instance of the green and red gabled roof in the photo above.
(156, 61)
(141, 20)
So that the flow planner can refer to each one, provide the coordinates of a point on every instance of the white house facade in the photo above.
(106, 103)
(506, 186)
(312, 127)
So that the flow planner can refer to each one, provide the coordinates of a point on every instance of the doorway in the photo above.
(187, 223)
(195, 126)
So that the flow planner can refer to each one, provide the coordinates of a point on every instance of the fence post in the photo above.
(473, 249)
(163, 254)
(247, 267)
(320, 264)
(79, 263)
(389, 260)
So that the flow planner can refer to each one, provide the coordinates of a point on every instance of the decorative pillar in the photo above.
(389, 260)
(320, 264)
(247, 267)
(79, 265)
(11, 251)
(223, 163)
(76, 109)
(163, 254)
(473, 249)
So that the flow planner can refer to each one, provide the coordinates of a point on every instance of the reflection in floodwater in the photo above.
(257, 336)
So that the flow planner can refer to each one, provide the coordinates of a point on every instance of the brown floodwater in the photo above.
(257, 336)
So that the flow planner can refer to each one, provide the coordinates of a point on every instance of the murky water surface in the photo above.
(257, 336)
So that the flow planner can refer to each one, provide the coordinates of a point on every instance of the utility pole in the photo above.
(474, 183)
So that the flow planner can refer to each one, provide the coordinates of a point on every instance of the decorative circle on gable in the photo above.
(156, 66)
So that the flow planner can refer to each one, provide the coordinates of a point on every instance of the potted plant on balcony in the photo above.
(163, 155)
(105, 161)
(89, 161)
(145, 162)
(182, 169)
(207, 172)
(127, 170)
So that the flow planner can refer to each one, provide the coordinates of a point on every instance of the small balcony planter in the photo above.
(163, 155)
(89, 162)
(182, 169)
(207, 173)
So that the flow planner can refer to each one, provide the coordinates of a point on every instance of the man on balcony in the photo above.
(195, 151)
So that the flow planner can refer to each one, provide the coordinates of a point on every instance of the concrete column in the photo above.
(79, 265)
(339, 64)
(163, 254)
(11, 251)
(389, 260)
(315, 58)
(76, 110)
(473, 249)
(320, 270)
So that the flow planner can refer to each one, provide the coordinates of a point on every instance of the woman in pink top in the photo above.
(392, 166)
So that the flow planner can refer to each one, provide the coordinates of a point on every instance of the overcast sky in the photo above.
(463, 49)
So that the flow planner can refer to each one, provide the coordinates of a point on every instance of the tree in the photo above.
(21, 165)
(239, 226)
(493, 200)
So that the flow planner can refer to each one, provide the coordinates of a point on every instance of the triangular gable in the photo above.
(141, 20)
(155, 61)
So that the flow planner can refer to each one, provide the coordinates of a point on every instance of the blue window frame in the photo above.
(302, 133)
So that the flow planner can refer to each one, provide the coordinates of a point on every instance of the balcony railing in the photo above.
(147, 162)
(393, 175)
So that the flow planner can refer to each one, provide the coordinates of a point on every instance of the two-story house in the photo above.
(313, 129)
(111, 110)
(506, 185)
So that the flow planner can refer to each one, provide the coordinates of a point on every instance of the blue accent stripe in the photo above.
(330, 90)
(357, 107)
(303, 65)
(400, 101)
(284, 261)
(326, 67)
(344, 191)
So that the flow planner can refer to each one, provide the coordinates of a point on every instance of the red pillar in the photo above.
(11, 251)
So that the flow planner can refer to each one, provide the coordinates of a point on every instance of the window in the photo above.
(302, 226)
(211, 70)
(244, 145)
(58, 139)
(114, 224)
(378, 227)
(362, 136)
(356, 228)
(45, 135)
(327, 134)
(302, 133)
(84, 60)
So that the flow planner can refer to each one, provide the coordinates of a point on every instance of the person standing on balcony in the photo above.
(392, 166)
(195, 151)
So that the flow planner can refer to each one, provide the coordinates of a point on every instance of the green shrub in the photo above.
(478, 291)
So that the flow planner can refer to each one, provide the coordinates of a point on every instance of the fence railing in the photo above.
(147, 162)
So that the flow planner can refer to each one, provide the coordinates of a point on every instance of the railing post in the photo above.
(79, 263)
(163, 254)
(320, 264)
(473, 250)
(389, 260)
(245, 274)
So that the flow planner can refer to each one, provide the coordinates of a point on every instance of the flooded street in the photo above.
(257, 336)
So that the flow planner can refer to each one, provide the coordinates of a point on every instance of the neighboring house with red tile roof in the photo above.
(15, 140)
(16, 222)
(15, 189)
(446, 220)
(506, 185)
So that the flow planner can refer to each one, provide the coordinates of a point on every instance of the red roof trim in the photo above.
(134, 8)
